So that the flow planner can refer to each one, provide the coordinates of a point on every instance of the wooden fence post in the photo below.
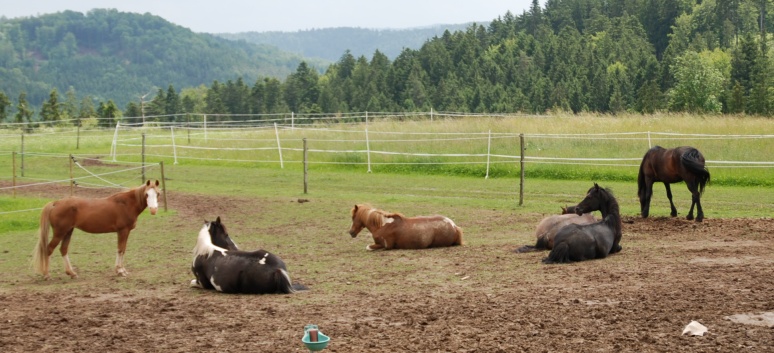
(521, 163)
(306, 170)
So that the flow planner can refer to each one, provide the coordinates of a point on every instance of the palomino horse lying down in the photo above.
(395, 231)
(546, 230)
(115, 213)
(576, 242)
(218, 264)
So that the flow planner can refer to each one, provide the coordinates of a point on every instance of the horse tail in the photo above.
(641, 177)
(284, 285)
(40, 253)
(693, 160)
(560, 253)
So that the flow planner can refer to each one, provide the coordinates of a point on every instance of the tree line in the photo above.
(706, 57)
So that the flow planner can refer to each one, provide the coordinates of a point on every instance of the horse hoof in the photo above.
(195, 284)
(73, 275)
(122, 272)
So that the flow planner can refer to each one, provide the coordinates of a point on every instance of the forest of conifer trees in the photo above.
(576, 56)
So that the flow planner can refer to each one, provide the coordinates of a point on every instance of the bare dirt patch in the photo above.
(475, 298)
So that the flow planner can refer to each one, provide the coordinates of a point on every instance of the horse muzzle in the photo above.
(153, 210)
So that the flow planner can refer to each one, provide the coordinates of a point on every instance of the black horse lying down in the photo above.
(576, 242)
(218, 264)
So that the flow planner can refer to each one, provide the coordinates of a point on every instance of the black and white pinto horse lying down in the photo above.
(219, 264)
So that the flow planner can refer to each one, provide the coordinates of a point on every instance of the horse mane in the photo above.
(204, 246)
(612, 215)
(373, 217)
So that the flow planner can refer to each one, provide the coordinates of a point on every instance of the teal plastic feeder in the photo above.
(310, 332)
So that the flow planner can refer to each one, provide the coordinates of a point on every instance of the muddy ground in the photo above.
(481, 297)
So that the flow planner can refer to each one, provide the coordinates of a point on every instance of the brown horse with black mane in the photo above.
(115, 213)
(669, 166)
(396, 231)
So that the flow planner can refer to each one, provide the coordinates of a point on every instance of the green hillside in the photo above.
(108, 54)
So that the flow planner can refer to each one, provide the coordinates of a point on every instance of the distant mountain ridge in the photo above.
(107, 54)
(331, 43)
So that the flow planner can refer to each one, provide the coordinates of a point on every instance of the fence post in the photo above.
(368, 149)
(72, 181)
(488, 149)
(521, 177)
(205, 127)
(13, 172)
(114, 146)
(292, 120)
(174, 146)
(163, 185)
(22, 154)
(431, 114)
(305, 167)
(78, 136)
(143, 157)
(650, 145)
(279, 148)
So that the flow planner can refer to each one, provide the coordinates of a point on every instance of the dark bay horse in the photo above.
(395, 231)
(576, 242)
(546, 230)
(115, 213)
(672, 166)
(219, 264)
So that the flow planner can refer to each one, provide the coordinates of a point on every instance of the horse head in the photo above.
(595, 199)
(358, 223)
(219, 235)
(568, 210)
(151, 196)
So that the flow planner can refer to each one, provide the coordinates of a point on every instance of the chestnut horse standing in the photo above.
(115, 213)
(672, 166)
(395, 231)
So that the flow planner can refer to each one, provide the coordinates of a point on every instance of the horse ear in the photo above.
(596, 186)
(217, 220)
(157, 182)
(354, 209)
(147, 183)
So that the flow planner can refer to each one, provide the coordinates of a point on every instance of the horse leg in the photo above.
(123, 237)
(63, 250)
(695, 200)
(645, 200)
(671, 204)
(374, 246)
(55, 239)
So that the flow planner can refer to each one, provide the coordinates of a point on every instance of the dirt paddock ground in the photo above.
(481, 297)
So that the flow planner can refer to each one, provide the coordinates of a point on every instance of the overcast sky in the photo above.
(231, 16)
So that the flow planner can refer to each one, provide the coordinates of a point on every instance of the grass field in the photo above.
(411, 190)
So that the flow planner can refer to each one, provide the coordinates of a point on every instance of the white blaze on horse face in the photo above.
(152, 199)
